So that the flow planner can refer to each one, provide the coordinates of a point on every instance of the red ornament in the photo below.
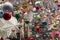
(2, 0)
(37, 28)
(37, 7)
(7, 15)
(30, 38)
(23, 11)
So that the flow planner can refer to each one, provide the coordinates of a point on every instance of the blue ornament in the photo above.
(1, 13)
(44, 23)
(52, 10)
(48, 30)
(14, 5)
(44, 36)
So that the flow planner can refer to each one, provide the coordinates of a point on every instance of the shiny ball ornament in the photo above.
(44, 36)
(2, 0)
(56, 32)
(44, 23)
(58, 4)
(23, 11)
(37, 8)
(52, 10)
(39, 3)
(36, 17)
(7, 15)
(30, 38)
(1, 13)
(24, 5)
(14, 5)
(7, 6)
(17, 15)
(54, 25)
(37, 28)
(55, 38)
(26, 21)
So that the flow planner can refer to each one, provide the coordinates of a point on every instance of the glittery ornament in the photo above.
(24, 5)
(30, 38)
(7, 15)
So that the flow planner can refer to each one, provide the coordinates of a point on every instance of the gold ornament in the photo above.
(24, 5)
(16, 8)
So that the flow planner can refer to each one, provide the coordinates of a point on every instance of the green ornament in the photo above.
(26, 21)
(37, 17)
(55, 25)
(17, 15)
(55, 38)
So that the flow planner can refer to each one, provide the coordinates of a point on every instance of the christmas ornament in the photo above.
(17, 15)
(54, 25)
(16, 8)
(44, 36)
(37, 17)
(24, 5)
(1, 13)
(23, 11)
(7, 15)
(26, 21)
(58, 4)
(37, 7)
(55, 38)
(14, 5)
(52, 10)
(37, 28)
(39, 3)
(30, 38)
(2, 0)
(44, 23)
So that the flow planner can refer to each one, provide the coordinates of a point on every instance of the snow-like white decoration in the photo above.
(7, 26)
